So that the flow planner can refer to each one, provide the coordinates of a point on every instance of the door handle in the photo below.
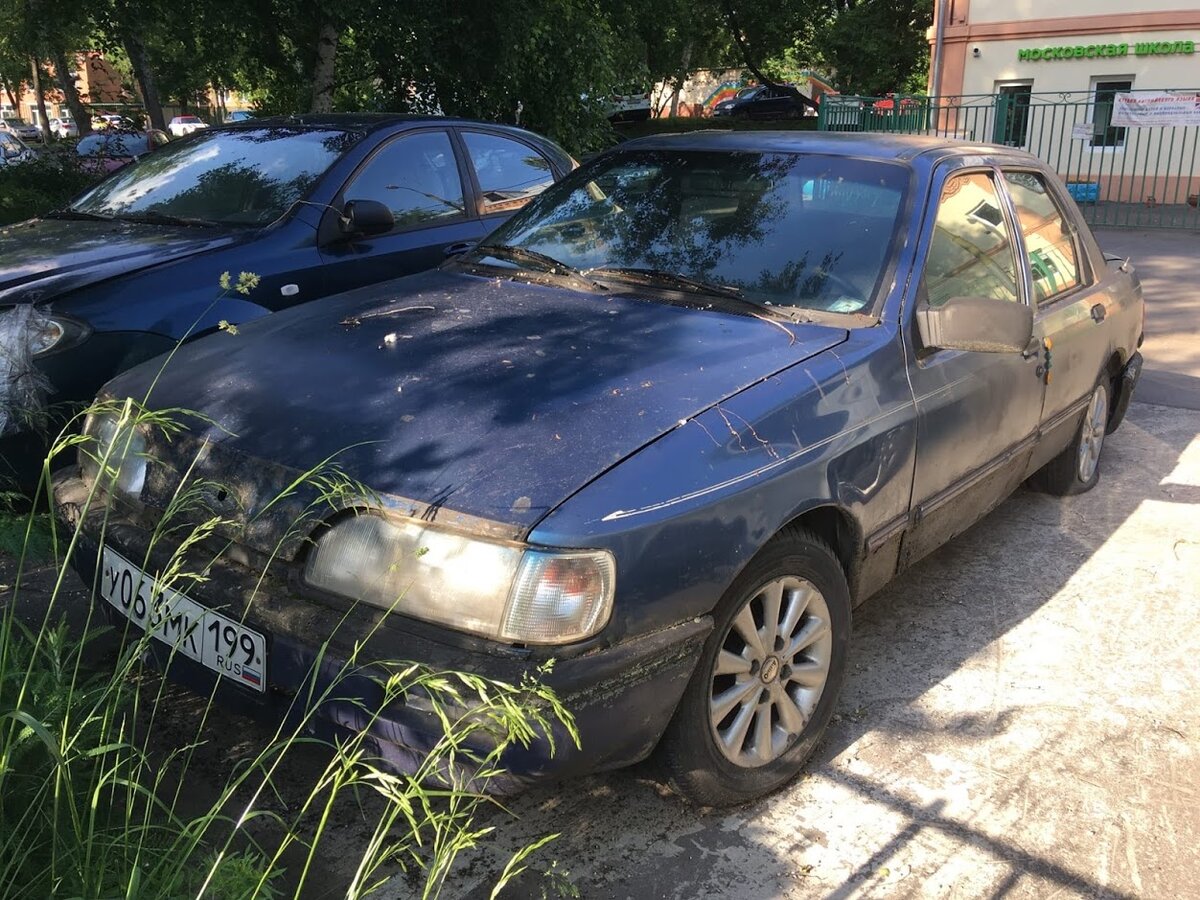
(455, 249)
(1032, 348)
(1099, 312)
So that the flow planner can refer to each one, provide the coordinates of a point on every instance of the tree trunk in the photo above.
(82, 120)
(323, 69)
(740, 40)
(12, 98)
(43, 119)
(136, 51)
(684, 63)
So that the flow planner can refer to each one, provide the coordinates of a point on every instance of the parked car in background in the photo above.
(26, 131)
(767, 101)
(665, 427)
(106, 151)
(64, 127)
(182, 125)
(312, 204)
(628, 107)
(114, 121)
(13, 150)
(239, 115)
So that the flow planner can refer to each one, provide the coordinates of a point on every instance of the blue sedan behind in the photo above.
(313, 205)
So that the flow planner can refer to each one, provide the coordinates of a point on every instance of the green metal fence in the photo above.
(1136, 177)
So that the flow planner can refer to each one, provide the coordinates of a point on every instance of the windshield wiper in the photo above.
(536, 262)
(726, 295)
(663, 278)
(69, 213)
(157, 218)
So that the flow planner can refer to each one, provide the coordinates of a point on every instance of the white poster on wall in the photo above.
(1156, 108)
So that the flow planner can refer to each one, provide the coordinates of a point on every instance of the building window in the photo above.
(1104, 133)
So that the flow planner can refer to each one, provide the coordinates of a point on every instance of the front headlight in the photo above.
(51, 332)
(118, 448)
(503, 591)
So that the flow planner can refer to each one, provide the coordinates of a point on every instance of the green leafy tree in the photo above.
(879, 46)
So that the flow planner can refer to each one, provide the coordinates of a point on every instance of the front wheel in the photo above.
(765, 687)
(1077, 468)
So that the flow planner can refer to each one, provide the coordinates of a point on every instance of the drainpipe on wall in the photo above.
(939, 39)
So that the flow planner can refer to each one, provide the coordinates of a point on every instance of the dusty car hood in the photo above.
(43, 258)
(493, 398)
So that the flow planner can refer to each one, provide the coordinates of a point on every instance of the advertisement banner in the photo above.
(1156, 108)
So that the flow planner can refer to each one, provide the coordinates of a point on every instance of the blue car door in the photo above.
(422, 180)
(977, 412)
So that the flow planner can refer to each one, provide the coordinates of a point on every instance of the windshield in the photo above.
(783, 229)
(14, 122)
(248, 177)
(108, 144)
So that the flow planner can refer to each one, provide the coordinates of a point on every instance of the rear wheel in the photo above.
(765, 687)
(1077, 468)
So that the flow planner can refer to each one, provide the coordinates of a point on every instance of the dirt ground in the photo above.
(1020, 717)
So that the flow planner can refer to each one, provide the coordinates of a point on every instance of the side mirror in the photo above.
(366, 217)
(976, 323)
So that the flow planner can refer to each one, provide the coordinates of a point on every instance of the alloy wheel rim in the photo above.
(1091, 436)
(770, 671)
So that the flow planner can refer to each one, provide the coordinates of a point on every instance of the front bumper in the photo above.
(621, 696)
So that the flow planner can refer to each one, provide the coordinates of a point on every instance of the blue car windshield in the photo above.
(247, 177)
(796, 230)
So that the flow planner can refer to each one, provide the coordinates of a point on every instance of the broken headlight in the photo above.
(116, 450)
(501, 590)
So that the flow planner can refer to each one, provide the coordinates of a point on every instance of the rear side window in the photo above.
(971, 254)
(415, 176)
(1049, 238)
(509, 172)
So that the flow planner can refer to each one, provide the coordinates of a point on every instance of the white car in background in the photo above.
(25, 131)
(181, 125)
(64, 128)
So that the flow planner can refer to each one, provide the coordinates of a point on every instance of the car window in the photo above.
(250, 176)
(110, 144)
(785, 229)
(1049, 238)
(415, 176)
(971, 253)
(509, 172)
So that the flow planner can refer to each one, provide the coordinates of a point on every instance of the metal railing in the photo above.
(1136, 177)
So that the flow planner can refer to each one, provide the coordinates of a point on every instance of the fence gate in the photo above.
(1143, 176)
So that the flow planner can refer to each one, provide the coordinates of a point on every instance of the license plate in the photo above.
(215, 641)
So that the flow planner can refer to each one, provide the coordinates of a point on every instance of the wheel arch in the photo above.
(839, 529)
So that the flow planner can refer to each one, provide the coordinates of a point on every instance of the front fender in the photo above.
(684, 515)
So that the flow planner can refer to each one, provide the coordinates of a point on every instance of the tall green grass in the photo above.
(92, 804)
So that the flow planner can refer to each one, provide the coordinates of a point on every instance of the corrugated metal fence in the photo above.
(1138, 177)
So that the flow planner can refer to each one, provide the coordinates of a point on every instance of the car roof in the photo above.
(899, 147)
(365, 122)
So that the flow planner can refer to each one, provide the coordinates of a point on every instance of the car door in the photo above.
(1070, 305)
(421, 179)
(506, 173)
(977, 412)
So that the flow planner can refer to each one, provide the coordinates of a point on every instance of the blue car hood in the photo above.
(43, 258)
(494, 398)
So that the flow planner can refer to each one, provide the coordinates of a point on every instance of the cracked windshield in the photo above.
(781, 230)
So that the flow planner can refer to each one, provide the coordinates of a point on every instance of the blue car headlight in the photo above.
(501, 590)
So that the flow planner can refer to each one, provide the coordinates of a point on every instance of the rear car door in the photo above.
(506, 173)
(977, 412)
(1070, 304)
(421, 179)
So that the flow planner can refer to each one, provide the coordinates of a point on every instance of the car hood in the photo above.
(491, 398)
(43, 258)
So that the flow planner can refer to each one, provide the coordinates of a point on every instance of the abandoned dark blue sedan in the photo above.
(667, 426)
(313, 205)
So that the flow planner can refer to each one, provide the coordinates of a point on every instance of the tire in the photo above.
(770, 718)
(1077, 468)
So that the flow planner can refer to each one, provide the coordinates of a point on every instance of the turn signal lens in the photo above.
(560, 597)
